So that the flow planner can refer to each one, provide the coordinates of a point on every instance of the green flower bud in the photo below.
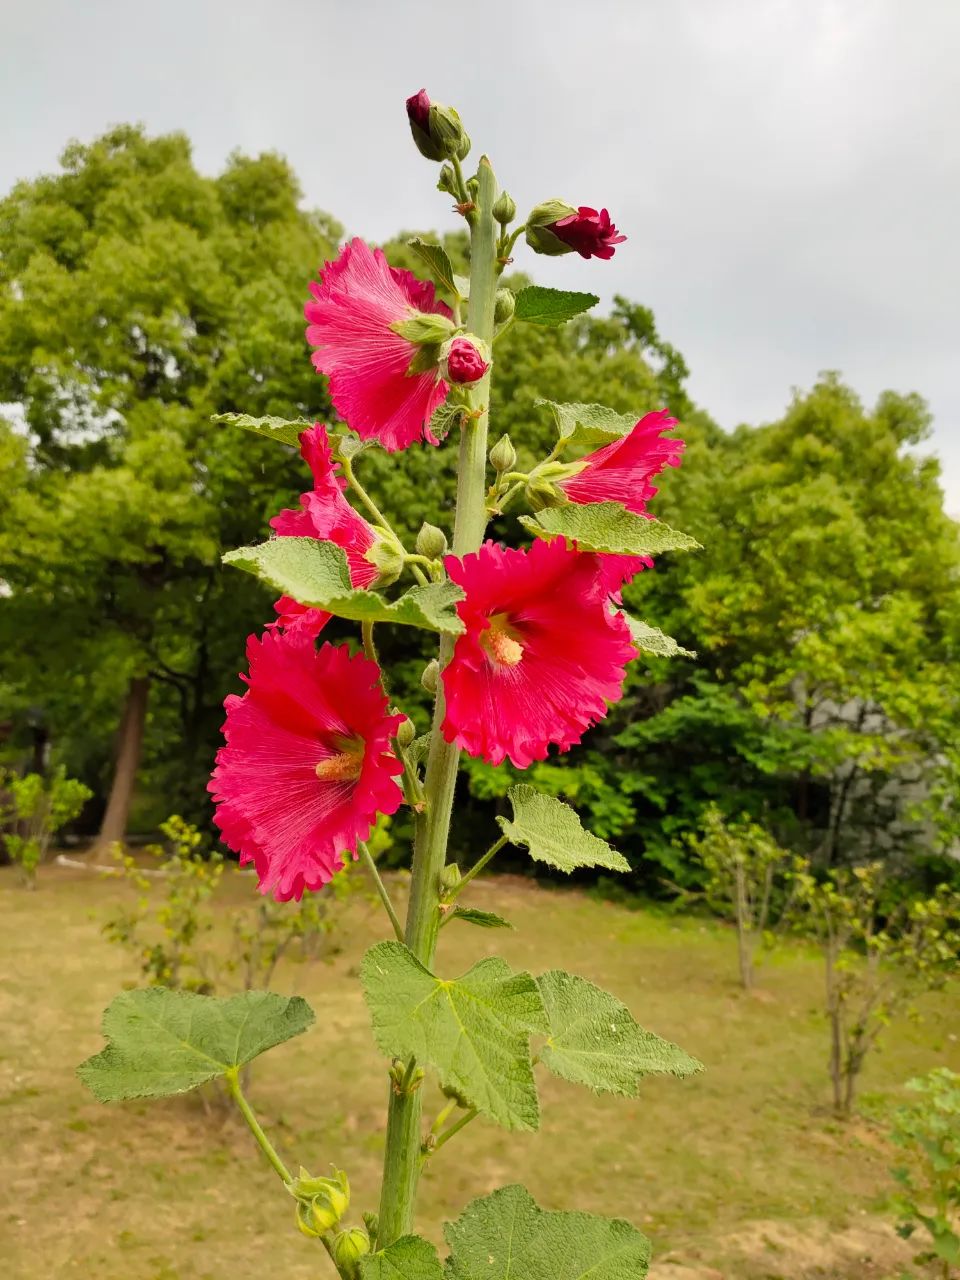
(504, 208)
(431, 676)
(406, 733)
(541, 493)
(386, 555)
(322, 1201)
(504, 306)
(431, 541)
(448, 180)
(348, 1248)
(538, 234)
(503, 456)
(425, 328)
(450, 876)
(446, 128)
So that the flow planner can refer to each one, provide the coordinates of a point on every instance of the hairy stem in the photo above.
(266, 1146)
(381, 889)
(402, 1155)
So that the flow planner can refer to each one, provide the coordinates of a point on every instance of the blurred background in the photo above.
(787, 175)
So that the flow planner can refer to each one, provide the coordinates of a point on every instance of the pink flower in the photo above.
(464, 362)
(542, 654)
(418, 110)
(590, 233)
(356, 304)
(307, 766)
(326, 514)
(622, 471)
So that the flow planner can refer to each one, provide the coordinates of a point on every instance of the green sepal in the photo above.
(316, 574)
(284, 430)
(608, 528)
(552, 832)
(539, 305)
(161, 1042)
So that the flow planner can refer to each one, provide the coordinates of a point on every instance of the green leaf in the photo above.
(553, 833)
(538, 305)
(438, 264)
(409, 1258)
(595, 1041)
(315, 573)
(161, 1042)
(652, 640)
(507, 1236)
(287, 432)
(592, 424)
(474, 1030)
(485, 919)
(608, 528)
(445, 417)
(463, 286)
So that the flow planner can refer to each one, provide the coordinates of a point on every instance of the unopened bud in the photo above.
(504, 208)
(464, 359)
(406, 733)
(425, 328)
(504, 306)
(347, 1250)
(450, 876)
(448, 180)
(437, 130)
(503, 456)
(322, 1201)
(431, 676)
(431, 541)
(541, 493)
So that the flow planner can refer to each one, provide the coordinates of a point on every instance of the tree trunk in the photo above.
(744, 947)
(129, 742)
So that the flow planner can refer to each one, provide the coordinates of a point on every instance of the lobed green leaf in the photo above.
(539, 305)
(161, 1042)
(552, 832)
(652, 640)
(608, 528)
(473, 1030)
(282, 429)
(316, 574)
(507, 1236)
(589, 424)
(438, 263)
(595, 1041)
(409, 1258)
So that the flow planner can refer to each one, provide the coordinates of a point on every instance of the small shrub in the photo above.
(37, 808)
(929, 1196)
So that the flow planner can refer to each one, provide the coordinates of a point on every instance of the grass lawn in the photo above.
(737, 1174)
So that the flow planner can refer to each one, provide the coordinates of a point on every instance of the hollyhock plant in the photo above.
(542, 655)
(324, 512)
(307, 765)
(353, 319)
(531, 650)
(622, 471)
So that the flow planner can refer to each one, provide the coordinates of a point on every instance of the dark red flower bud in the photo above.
(463, 361)
(587, 232)
(418, 110)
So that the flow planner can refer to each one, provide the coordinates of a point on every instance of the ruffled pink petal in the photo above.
(622, 471)
(358, 299)
(552, 604)
(303, 706)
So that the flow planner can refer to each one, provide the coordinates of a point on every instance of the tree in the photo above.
(137, 298)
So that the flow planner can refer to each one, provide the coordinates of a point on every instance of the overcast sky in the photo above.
(787, 171)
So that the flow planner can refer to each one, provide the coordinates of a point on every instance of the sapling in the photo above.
(747, 876)
(36, 808)
(880, 952)
(928, 1130)
(532, 648)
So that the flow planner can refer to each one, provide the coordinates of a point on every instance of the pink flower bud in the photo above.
(418, 110)
(589, 233)
(464, 361)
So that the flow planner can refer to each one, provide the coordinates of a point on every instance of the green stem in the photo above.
(381, 889)
(402, 1156)
(454, 1128)
(266, 1146)
(369, 646)
(476, 868)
